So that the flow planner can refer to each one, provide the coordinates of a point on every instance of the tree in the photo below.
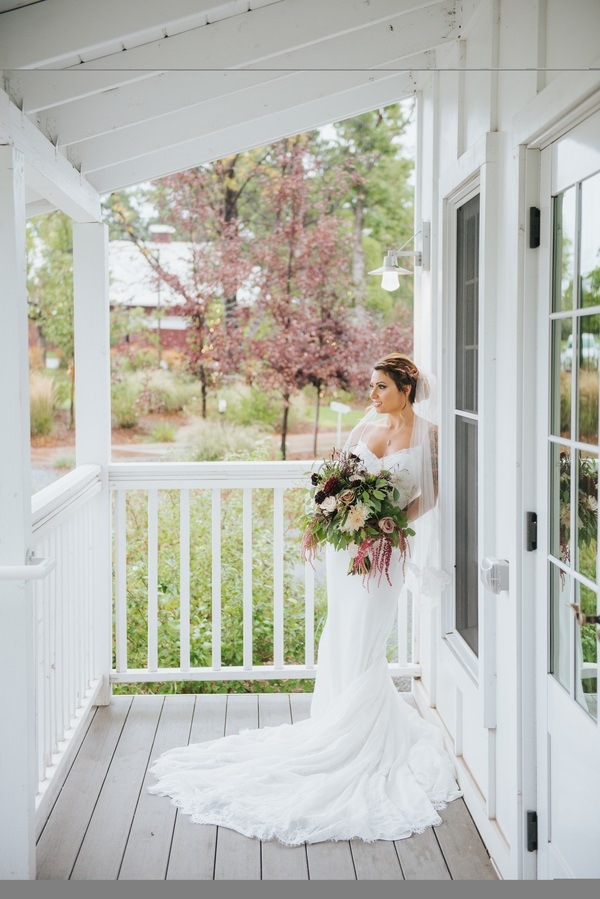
(380, 199)
(50, 287)
(210, 275)
(306, 334)
(211, 198)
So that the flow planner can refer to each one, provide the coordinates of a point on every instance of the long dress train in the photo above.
(364, 765)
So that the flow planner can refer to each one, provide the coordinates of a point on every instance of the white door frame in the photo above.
(534, 280)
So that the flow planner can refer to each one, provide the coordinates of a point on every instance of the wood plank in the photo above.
(149, 843)
(279, 862)
(464, 851)
(330, 860)
(104, 843)
(238, 856)
(194, 845)
(61, 838)
(300, 706)
(376, 861)
(421, 857)
(274, 709)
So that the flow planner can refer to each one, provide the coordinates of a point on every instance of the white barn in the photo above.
(101, 96)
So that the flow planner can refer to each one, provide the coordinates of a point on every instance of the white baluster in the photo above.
(416, 631)
(46, 586)
(278, 577)
(38, 606)
(247, 576)
(309, 615)
(152, 580)
(60, 635)
(52, 586)
(184, 579)
(216, 578)
(121, 580)
(402, 626)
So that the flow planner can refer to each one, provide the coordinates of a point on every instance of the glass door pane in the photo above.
(467, 423)
(575, 407)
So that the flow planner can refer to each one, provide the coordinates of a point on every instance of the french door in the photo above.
(568, 734)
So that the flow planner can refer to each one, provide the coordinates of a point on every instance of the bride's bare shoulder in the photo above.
(370, 428)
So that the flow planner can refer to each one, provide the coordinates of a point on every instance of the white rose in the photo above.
(329, 504)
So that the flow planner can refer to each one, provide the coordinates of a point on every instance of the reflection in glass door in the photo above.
(467, 422)
(573, 442)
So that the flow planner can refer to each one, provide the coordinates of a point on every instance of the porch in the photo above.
(94, 818)
(104, 825)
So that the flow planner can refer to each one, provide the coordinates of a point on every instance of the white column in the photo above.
(92, 415)
(17, 686)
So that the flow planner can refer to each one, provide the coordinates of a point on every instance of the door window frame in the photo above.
(467, 191)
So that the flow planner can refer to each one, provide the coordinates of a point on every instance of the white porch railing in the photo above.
(138, 586)
(64, 526)
(227, 502)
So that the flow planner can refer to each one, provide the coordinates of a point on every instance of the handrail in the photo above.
(175, 472)
(34, 570)
(67, 492)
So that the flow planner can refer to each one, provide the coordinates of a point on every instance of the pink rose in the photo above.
(386, 525)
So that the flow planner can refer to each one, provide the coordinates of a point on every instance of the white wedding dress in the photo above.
(364, 765)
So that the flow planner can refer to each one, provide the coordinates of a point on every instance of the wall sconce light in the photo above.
(390, 269)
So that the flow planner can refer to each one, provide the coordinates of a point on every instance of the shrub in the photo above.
(124, 406)
(42, 403)
(66, 463)
(36, 358)
(163, 433)
(174, 358)
(140, 357)
(212, 441)
(251, 406)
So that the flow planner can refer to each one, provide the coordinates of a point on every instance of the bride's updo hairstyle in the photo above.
(402, 371)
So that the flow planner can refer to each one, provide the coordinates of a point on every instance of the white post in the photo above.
(17, 686)
(92, 416)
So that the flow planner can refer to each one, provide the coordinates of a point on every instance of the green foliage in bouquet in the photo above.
(350, 506)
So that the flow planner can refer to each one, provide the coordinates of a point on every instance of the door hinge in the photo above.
(534, 227)
(532, 832)
(531, 531)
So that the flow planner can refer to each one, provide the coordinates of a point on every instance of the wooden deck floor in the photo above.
(105, 826)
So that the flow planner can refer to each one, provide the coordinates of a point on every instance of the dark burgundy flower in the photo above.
(320, 495)
(332, 486)
(314, 478)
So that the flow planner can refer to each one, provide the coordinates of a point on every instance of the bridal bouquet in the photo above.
(352, 507)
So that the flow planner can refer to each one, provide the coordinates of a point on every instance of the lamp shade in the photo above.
(389, 272)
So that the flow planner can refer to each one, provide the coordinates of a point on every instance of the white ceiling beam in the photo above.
(46, 170)
(298, 89)
(35, 92)
(38, 207)
(264, 37)
(257, 132)
(37, 89)
(53, 34)
(124, 107)
(147, 101)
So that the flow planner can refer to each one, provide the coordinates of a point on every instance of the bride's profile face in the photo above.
(384, 394)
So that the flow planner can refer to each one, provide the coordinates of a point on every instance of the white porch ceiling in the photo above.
(130, 91)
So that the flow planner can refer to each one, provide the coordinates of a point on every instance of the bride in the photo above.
(364, 764)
